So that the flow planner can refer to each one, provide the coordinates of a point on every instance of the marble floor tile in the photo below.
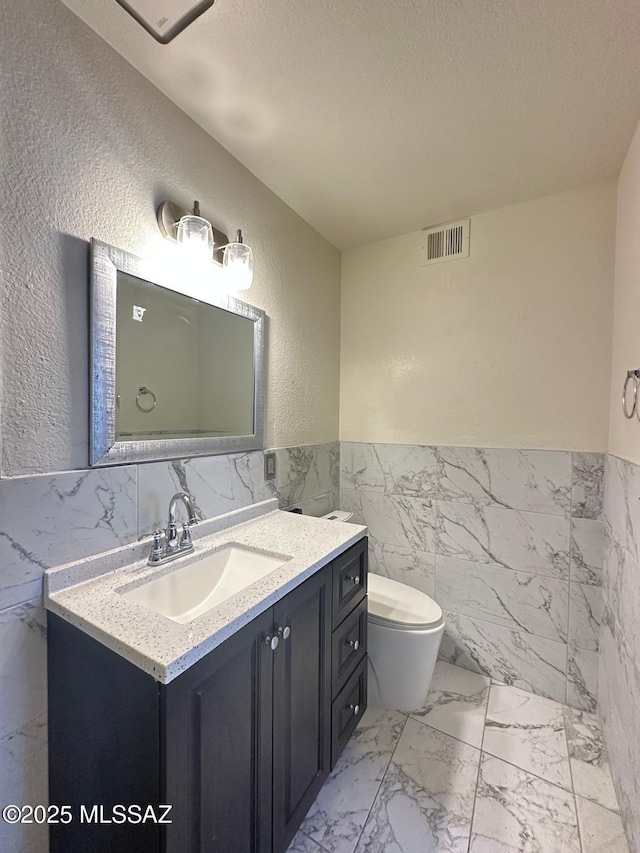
(340, 811)
(425, 802)
(588, 758)
(457, 703)
(517, 811)
(600, 829)
(303, 844)
(528, 731)
(23, 780)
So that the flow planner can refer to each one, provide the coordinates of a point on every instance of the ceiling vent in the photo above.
(446, 242)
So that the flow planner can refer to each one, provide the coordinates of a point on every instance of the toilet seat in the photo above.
(395, 605)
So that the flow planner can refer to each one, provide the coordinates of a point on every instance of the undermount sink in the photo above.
(185, 593)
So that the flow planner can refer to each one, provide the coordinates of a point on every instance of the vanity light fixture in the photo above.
(203, 243)
(164, 19)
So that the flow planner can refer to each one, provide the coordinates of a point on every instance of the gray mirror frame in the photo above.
(106, 262)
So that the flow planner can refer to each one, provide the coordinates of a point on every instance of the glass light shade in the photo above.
(195, 238)
(238, 266)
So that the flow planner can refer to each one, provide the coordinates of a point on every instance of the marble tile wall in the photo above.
(51, 519)
(619, 664)
(307, 477)
(509, 542)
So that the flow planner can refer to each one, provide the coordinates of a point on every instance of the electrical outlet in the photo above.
(269, 466)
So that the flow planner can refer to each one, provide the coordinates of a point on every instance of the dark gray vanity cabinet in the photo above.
(239, 744)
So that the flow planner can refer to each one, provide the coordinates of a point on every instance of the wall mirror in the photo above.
(172, 375)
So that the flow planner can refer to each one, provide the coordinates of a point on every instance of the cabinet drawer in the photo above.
(349, 646)
(347, 710)
(349, 580)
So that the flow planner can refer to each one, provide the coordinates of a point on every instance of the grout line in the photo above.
(573, 789)
(373, 802)
(482, 753)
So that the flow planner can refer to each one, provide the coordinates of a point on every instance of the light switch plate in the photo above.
(269, 466)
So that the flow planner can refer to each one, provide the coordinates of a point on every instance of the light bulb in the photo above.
(195, 238)
(238, 265)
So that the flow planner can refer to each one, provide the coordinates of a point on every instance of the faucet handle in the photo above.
(185, 537)
(157, 549)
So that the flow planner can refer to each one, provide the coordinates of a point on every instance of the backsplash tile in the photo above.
(304, 472)
(218, 484)
(52, 519)
(529, 480)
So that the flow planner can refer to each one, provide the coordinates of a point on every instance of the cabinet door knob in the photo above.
(284, 633)
(355, 644)
(355, 579)
(272, 642)
(355, 709)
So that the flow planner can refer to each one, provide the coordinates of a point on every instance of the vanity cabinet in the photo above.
(239, 744)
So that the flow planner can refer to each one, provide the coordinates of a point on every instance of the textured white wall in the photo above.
(509, 348)
(624, 435)
(88, 148)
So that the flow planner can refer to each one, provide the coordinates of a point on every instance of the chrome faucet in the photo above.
(166, 544)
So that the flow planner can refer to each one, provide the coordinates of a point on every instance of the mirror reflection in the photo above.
(184, 369)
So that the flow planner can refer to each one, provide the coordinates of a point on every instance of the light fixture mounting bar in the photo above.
(164, 19)
(169, 214)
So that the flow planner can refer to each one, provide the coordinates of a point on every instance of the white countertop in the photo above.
(164, 648)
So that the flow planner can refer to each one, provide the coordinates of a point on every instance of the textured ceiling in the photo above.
(372, 119)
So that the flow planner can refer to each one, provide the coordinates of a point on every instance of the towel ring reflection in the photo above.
(635, 376)
(143, 391)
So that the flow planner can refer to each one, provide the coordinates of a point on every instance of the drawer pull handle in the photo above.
(355, 579)
(272, 642)
(355, 644)
(355, 709)
(284, 633)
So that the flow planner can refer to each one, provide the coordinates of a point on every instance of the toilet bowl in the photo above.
(405, 628)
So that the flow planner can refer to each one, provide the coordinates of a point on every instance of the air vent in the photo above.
(446, 242)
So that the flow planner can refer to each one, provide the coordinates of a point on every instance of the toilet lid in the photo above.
(394, 603)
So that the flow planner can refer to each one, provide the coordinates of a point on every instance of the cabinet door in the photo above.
(301, 704)
(217, 725)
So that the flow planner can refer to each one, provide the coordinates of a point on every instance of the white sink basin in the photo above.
(186, 593)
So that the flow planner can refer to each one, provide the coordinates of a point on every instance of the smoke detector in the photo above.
(164, 19)
(446, 242)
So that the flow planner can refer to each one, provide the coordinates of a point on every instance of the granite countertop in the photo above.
(87, 594)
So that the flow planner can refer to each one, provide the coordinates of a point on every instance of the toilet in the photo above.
(405, 627)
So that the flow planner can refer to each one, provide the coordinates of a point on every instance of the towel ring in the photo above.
(143, 391)
(631, 374)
